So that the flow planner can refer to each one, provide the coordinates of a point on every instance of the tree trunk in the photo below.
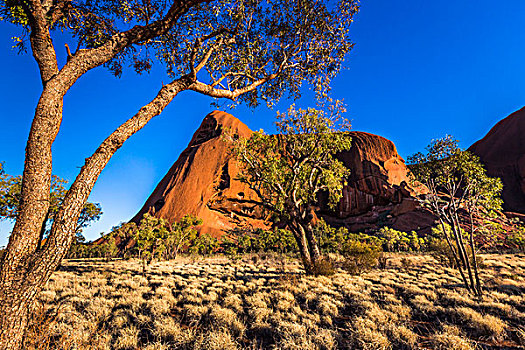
(302, 244)
(477, 287)
(14, 317)
(454, 254)
(312, 244)
(461, 246)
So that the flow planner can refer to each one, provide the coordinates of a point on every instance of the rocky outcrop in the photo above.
(378, 175)
(203, 182)
(502, 151)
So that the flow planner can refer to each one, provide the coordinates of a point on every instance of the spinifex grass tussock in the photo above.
(252, 303)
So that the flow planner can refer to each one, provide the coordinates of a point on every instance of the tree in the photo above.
(181, 234)
(244, 50)
(10, 187)
(290, 170)
(155, 238)
(150, 238)
(461, 196)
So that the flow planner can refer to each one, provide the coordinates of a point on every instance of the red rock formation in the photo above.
(502, 151)
(378, 174)
(202, 182)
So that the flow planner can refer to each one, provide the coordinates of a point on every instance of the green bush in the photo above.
(256, 241)
(516, 239)
(360, 256)
(399, 241)
(204, 244)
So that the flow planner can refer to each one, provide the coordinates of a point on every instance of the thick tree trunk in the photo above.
(14, 313)
(24, 269)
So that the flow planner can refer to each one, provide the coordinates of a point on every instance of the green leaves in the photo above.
(10, 187)
(458, 174)
(228, 45)
(156, 238)
(289, 170)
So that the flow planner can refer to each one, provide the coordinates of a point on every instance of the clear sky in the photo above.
(419, 70)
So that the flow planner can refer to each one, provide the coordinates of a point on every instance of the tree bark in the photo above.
(302, 244)
(24, 269)
(312, 244)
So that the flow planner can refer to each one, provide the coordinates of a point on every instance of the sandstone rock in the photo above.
(502, 151)
(203, 182)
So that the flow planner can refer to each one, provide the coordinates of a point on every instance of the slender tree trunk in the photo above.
(312, 244)
(461, 245)
(474, 259)
(455, 255)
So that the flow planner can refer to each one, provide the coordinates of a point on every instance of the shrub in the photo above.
(399, 241)
(255, 241)
(360, 256)
(204, 245)
(516, 239)
(323, 267)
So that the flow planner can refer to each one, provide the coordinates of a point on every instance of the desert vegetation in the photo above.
(301, 284)
(266, 301)
(246, 51)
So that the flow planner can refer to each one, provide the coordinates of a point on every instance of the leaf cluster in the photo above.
(10, 195)
(289, 170)
(226, 44)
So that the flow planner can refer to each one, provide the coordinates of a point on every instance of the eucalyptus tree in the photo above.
(291, 170)
(461, 196)
(245, 50)
(10, 196)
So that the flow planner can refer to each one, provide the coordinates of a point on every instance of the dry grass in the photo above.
(252, 304)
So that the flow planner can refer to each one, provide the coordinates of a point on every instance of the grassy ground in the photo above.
(258, 303)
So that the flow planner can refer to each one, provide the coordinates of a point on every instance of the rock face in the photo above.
(502, 151)
(203, 182)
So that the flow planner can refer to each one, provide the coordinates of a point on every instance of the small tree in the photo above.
(461, 195)
(181, 234)
(10, 187)
(289, 171)
(150, 238)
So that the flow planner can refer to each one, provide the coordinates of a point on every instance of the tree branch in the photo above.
(40, 39)
(63, 228)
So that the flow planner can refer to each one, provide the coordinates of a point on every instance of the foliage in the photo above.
(234, 42)
(360, 256)
(277, 240)
(10, 187)
(360, 250)
(516, 238)
(399, 241)
(181, 235)
(289, 171)
(460, 194)
(156, 239)
(204, 244)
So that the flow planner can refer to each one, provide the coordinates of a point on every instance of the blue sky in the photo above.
(419, 70)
